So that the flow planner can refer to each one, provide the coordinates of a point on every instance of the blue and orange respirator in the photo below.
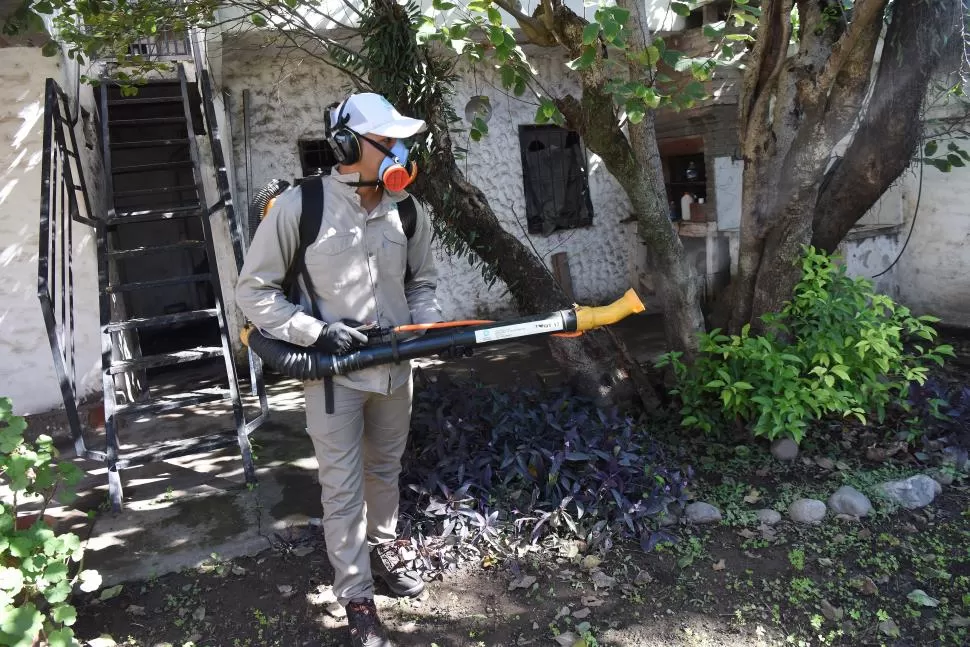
(393, 172)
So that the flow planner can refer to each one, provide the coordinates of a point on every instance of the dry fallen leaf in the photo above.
(747, 534)
(753, 496)
(582, 613)
(591, 601)
(831, 612)
(825, 463)
(566, 639)
(602, 580)
(719, 565)
(591, 561)
(959, 621)
(524, 582)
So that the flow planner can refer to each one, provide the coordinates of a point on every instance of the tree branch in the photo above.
(892, 127)
(866, 14)
(538, 32)
(766, 62)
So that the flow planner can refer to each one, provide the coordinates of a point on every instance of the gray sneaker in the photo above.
(365, 627)
(386, 564)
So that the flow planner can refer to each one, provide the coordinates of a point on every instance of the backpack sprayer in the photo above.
(394, 345)
(398, 344)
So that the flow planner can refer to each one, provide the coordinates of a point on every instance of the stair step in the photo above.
(160, 320)
(156, 166)
(143, 101)
(157, 189)
(146, 121)
(168, 403)
(182, 245)
(147, 215)
(145, 285)
(165, 359)
(150, 143)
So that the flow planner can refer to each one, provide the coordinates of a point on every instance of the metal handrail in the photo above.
(61, 180)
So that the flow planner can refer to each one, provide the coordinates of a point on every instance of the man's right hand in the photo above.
(338, 337)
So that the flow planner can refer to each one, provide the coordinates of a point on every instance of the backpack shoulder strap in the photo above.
(409, 215)
(311, 216)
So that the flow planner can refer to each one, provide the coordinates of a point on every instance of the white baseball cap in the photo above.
(369, 113)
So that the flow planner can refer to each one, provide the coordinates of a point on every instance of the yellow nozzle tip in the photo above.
(244, 334)
(633, 301)
(628, 304)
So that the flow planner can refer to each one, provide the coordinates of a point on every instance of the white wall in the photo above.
(934, 271)
(27, 373)
(288, 104)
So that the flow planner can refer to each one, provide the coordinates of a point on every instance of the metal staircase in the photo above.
(165, 338)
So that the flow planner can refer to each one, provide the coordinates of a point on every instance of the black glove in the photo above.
(338, 337)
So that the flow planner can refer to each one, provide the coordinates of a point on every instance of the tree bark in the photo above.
(634, 160)
(794, 112)
(892, 127)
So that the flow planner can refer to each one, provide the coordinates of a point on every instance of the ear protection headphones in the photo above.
(345, 143)
(343, 140)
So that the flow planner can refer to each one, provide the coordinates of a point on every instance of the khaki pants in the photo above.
(359, 448)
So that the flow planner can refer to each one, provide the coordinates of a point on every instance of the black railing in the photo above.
(225, 203)
(62, 181)
(164, 45)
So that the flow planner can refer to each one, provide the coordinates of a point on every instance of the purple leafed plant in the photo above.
(494, 472)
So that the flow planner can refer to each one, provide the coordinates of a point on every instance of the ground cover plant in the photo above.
(837, 348)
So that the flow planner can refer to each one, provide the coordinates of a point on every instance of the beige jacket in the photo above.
(357, 265)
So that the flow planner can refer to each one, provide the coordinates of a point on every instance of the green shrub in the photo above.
(36, 564)
(836, 348)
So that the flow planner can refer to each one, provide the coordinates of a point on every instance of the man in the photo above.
(357, 267)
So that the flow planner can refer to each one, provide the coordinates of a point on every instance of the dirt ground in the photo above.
(897, 577)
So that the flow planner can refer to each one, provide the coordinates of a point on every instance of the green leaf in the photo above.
(90, 580)
(921, 598)
(21, 625)
(955, 160)
(50, 49)
(442, 5)
(64, 614)
(63, 637)
(43, 7)
(930, 149)
(258, 20)
(59, 592)
(11, 580)
(744, 386)
(680, 8)
(590, 33)
(740, 37)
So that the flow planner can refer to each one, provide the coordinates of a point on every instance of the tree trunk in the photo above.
(892, 127)
(794, 111)
(634, 160)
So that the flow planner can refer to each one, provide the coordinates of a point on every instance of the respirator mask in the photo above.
(395, 173)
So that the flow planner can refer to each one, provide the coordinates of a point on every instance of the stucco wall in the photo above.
(27, 373)
(934, 271)
(288, 104)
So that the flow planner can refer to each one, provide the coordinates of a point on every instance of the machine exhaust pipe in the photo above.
(304, 363)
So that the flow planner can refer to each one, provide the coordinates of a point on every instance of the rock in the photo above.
(784, 449)
(850, 501)
(767, 516)
(702, 513)
(915, 492)
(942, 477)
(807, 511)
